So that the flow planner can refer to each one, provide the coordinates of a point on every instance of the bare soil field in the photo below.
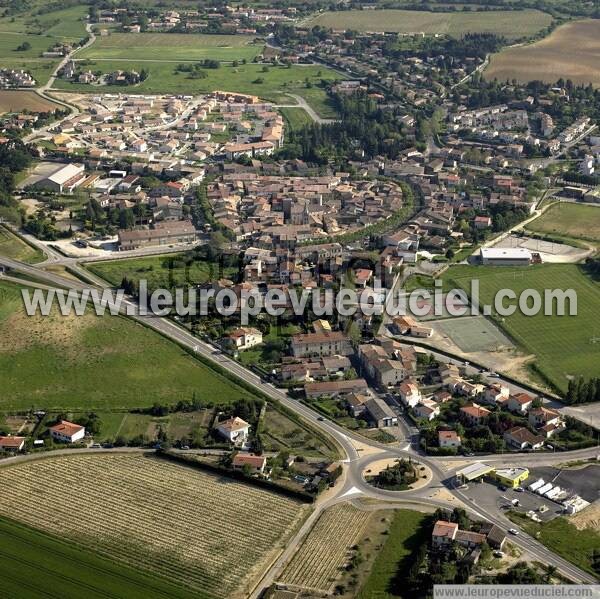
(12, 101)
(572, 51)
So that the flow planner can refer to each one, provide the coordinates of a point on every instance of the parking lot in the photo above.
(491, 497)
(584, 482)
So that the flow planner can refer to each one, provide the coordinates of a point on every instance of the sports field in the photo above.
(511, 24)
(14, 101)
(210, 534)
(172, 46)
(567, 219)
(92, 362)
(473, 333)
(563, 345)
(269, 83)
(570, 51)
(32, 562)
(13, 247)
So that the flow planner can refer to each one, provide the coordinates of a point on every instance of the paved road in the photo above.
(354, 484)
(42, 91)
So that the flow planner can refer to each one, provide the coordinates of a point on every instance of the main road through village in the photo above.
(358, 452)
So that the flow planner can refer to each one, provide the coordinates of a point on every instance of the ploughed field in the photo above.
(572, 51)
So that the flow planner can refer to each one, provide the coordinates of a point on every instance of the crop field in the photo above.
(13, 101)
(172, 46)
(160, 271)
(271, 84)
(94, 362)
(194, 529)
(510, 24)
(563, 345)
(406, 533)
(31, 562)
(566, 219)
(13, 247)
(325, 551)
(570, 51)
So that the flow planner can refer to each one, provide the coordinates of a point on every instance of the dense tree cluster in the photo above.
(14, 157)
(364, 131)
(397, 477)
(582, 391)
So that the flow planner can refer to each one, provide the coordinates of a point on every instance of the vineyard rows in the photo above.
(203, 531)
(317, 564)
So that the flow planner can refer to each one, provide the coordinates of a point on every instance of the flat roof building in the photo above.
(506, 256)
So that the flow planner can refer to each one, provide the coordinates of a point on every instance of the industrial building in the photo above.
(64, 179)
(506, 256)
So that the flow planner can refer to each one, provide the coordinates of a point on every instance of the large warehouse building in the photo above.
(506, 256)
(64, 179)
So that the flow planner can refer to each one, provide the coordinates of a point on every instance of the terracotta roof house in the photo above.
(235, 429)
(443, 533)
(449, 439)
(256, 463)
(10, 443)
(68, 432)
(474, 414)
(522, 438)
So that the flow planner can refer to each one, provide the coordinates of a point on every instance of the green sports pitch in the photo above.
(564, 346)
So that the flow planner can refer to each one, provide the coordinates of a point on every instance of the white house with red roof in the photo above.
(235, 429)
(67, 432)
(519, 403)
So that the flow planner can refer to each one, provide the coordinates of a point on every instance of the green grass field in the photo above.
(296, 118)
(62, 25)
(159, 271)
(172, 46)
(33, 563)
(13, 247)
(566, 219)
(91, 362)
(276, 81)
(559, 535)
(562, 344)
(406, 533)
(501, 22)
